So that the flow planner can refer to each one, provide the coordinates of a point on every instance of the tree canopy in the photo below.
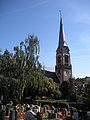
(20, 73)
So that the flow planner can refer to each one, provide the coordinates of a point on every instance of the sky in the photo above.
(18, 18)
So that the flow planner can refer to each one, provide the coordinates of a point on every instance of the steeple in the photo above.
(62, 42)
(63, 66)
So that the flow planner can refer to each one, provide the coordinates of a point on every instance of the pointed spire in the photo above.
(62, 41)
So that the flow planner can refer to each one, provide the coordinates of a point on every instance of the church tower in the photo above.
(63, 66)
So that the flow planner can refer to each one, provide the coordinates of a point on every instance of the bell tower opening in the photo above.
(59, 60)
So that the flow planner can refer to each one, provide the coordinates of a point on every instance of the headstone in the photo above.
(7, 111)
(29, 116)
(44, 109)
(1, 97)
(2, 114)
(4, 108)
(76, 116)
(16, 114)
(38, 108)
(1, 106)
(88, 115)
(49, 115)
(12, 115)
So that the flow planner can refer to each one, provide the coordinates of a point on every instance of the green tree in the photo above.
(27, 62)
(65, 90)
(22, 74)
(22, 66)
(50, 88)
(88, 95)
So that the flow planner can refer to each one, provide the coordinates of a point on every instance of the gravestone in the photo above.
(29, 116)
(38, 108)
(12, 115)
(2, 114)
(76, 116)
(16, 114)
(4, 108)
(1, 97)
(44, 109)
(1, 106)
(7, 110)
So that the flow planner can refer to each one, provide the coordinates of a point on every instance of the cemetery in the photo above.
(43, 111)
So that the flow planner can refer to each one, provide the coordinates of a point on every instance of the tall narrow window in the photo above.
(59, 59)
(66, 59)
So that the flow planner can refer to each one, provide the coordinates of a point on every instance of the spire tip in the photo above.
(60, 13)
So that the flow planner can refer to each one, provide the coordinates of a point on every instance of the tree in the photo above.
(65, 90)
(8, 88)
(88, 95)
(27, 63)
(22, 66)
(22, 75)
(50, 88)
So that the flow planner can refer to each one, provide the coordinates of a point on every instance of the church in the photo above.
(63, 68)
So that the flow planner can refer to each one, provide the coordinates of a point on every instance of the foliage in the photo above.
(88, 95)
(66, 90)
(22, 75)
(82, 90)
(8, 88)
(50, 88)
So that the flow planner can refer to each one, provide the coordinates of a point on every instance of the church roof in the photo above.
(62, 40)
(52, 75)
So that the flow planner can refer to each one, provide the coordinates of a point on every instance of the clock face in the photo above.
(65, 72)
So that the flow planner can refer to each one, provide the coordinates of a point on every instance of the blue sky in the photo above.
(18, 18)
